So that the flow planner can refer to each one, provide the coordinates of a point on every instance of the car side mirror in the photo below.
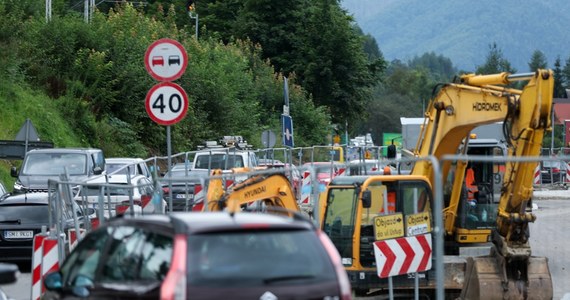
(97, 170)
(8, 273)
(14, 172)
(53, 281)
(366, 199)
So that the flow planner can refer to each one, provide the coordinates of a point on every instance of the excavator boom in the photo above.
(271, 189)
(456, 110)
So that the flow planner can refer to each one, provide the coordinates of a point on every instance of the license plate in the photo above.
(18, 234)
(183, 196)
(105, 206)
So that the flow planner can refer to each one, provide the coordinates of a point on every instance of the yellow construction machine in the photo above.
(265, 189)
(357, 210)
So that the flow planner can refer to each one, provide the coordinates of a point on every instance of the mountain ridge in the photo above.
(464, 30)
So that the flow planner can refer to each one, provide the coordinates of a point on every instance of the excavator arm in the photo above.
(456, 110)
(271, 190)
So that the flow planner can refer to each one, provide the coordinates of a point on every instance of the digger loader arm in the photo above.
(272, 190)
(456, 110)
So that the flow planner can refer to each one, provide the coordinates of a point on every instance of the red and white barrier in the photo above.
(567, 172)
(45, 259)
(306, 188)
(403, 255)
(199, 196)
(537, 176)
(50, 257)
(72, 237)
(37, 265)
(340, 172)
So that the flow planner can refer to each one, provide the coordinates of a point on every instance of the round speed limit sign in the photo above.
(166, 103)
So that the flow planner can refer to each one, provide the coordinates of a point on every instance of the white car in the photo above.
(120, 165)
(116, 192)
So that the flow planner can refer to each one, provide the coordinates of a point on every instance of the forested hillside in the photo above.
(463, 30)
(84, 83)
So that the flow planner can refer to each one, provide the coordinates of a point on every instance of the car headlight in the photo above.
(18, 187)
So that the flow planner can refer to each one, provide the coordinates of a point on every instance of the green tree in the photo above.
(559, 91)
(537, 61)
(566, 74)
(495, 62)
(332, 65)
(439, 67)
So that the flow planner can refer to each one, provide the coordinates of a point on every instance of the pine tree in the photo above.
(537, 61)
(559, 91)
(495, 62)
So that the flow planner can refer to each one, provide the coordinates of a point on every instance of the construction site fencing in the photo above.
(73, 209)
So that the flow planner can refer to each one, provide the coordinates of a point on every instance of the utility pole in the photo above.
(48, 11)
(193, 14)
(91, 9)
(86, 11)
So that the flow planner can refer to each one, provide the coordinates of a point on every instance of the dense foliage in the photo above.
(90, 77)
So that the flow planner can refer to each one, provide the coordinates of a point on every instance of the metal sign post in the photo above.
(166, 103)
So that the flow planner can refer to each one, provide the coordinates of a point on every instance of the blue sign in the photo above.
(287, 122)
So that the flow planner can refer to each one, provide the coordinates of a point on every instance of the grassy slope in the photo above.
(19, 103)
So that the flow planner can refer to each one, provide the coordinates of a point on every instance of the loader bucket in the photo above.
(484, 280)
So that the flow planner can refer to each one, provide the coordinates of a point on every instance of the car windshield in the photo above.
(24, 214)
(54, 164)
(257, 258)
(113, 167)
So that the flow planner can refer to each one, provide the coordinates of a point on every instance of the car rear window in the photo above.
(257, 258)
(112, 169)
(219, 161)
(24, 214)
(554, 164)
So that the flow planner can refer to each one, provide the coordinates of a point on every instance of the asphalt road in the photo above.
(549, 237)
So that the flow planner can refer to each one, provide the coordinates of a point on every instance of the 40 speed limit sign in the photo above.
(166, 103)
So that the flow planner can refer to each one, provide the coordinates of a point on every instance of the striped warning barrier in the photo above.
(37, 265)
(567, 172)
(537, 177)
(341, 172)
(199, 195)
(50, 258)
(72, 237)
(306, 188)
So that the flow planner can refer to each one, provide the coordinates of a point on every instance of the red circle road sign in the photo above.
(165, 60)
(166, 103)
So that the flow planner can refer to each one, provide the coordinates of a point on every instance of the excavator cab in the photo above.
(479, 195)
(359, 210)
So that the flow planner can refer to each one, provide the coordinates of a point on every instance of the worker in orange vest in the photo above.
(472, 188)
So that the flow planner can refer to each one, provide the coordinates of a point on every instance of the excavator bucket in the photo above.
(484, 280)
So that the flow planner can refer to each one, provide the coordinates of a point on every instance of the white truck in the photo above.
(186, 184)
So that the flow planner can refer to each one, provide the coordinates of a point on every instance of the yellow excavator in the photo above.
(270, 190)
(356, 210)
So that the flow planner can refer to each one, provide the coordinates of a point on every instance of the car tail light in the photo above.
(174, 285)
(94, 223)
(344, 283)
(555, 170)
(145, 199)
